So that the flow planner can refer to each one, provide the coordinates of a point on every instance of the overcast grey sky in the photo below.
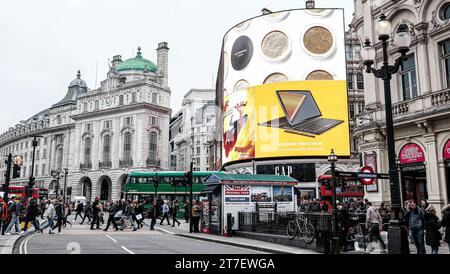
(43, 43)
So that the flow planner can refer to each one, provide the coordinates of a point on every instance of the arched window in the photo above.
(106, 148)
(153, 147)
(154, 98)
(133, 97)
(127, 146)
(59, 157)
(87, 150)
(445, 12)
(97, 104)
(120, 100)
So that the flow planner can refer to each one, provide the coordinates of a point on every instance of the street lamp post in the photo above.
(332, 158)
(31, 180)
(56, 174)
(403, 41)
(66, 171)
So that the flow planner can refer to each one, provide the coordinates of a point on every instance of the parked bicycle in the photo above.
(302, 227)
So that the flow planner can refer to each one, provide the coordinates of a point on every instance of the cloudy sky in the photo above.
(43, 43)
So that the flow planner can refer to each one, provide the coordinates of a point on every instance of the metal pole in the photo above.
(395, 238)
(7, 177)
(65, 184)
(34, 144)
(190, 196)
(336, 249)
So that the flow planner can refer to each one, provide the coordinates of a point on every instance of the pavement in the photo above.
(183, 231)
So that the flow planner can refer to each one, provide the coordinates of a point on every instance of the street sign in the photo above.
(367, 175)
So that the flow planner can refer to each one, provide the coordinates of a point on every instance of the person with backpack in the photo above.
(14, 212)
(415, 220)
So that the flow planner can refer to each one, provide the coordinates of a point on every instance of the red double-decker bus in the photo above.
(19, 192)
(346, 188)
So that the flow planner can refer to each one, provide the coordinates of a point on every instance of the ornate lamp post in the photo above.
(403, 41)
(57, 175)
(332, 158)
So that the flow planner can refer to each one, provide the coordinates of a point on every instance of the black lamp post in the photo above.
(32, 179)
(66, 171)
(332, 158)
(57, 175)
(403, 41)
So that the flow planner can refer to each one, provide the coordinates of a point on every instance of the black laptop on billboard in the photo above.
(302, 115)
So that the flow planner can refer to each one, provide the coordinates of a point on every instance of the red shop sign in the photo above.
(411, 154)
(447, 150)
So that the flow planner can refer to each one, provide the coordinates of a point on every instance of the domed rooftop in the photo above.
(136, 63)
(78, 82)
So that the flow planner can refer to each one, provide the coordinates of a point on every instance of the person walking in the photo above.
(175, 209)
(3, 215)
(343, 225)
(373, 222)
(101, 213)
(43, 206)
(78, 210)
(14, 211)
(59, 212)
(112, 210)
(140, 214)
(432, 234)
(415, 219)
(50, 213)
(128, 213)
(87, 212)
(67, 213)
(195, 216)
(95, 213)
(153, 214)
(31, 214)
(186, 211)
(165, 211)
(445, 222)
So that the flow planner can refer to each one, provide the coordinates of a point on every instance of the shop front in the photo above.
(447, 168)
(413, 173)
(229, 194)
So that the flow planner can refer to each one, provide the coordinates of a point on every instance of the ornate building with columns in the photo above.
(99, 135)
(420, 95)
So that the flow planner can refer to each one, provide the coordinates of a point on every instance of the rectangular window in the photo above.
(21, 146)
(357, 52)
(348, 52)
(36, 171)
(154, 121)
(408, 78)
(350, 81)
(352, 109)
(446, 60)
(360, 81)
(128, 121)
(45, 140)
(24, 171)
(43, 170)
(107, 124)
(198, 150)
(44, 155)
(37, 155)
(88, 127)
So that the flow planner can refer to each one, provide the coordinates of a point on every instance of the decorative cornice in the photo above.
(121, 109)
(38, 132)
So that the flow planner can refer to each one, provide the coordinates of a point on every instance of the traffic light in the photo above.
(155, 183)
(16, 171)
(188, 176)
(31, 182)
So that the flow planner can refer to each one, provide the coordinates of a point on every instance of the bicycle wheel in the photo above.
(292, 229)
(308, 233)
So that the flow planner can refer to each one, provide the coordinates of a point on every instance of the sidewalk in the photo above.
(183, 231)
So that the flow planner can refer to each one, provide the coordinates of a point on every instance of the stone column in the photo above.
(433, 186)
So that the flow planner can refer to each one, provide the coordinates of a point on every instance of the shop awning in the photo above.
(211, 189)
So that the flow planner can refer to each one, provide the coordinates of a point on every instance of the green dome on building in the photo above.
(136, 63)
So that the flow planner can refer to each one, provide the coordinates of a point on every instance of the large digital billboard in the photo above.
(282, 86)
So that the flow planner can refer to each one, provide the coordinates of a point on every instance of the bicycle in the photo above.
(302, 227)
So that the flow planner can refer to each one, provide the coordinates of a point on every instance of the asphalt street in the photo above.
(79, 239)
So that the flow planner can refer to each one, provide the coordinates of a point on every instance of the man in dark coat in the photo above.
(432, 234)
(87, 212)
(59, 209)
(31, 214)
(78, 210)
(112, 210)
(445, 222)
(415, 219)
(95, 214)
(153, 214)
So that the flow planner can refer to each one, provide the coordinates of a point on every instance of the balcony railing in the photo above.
(87, 165)
(153, 162)
(126, 163)
(105, 164)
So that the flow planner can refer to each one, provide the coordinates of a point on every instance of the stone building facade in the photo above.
(99, 135)
(420, 95)
(191, 130)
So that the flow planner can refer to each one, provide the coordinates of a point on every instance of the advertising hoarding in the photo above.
(282, 86)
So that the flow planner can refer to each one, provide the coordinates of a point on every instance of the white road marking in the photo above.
(23, 245)
(164, 230)
(127, 250)
(110, 238)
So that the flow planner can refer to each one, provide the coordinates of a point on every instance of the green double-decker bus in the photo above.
(140, 186)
